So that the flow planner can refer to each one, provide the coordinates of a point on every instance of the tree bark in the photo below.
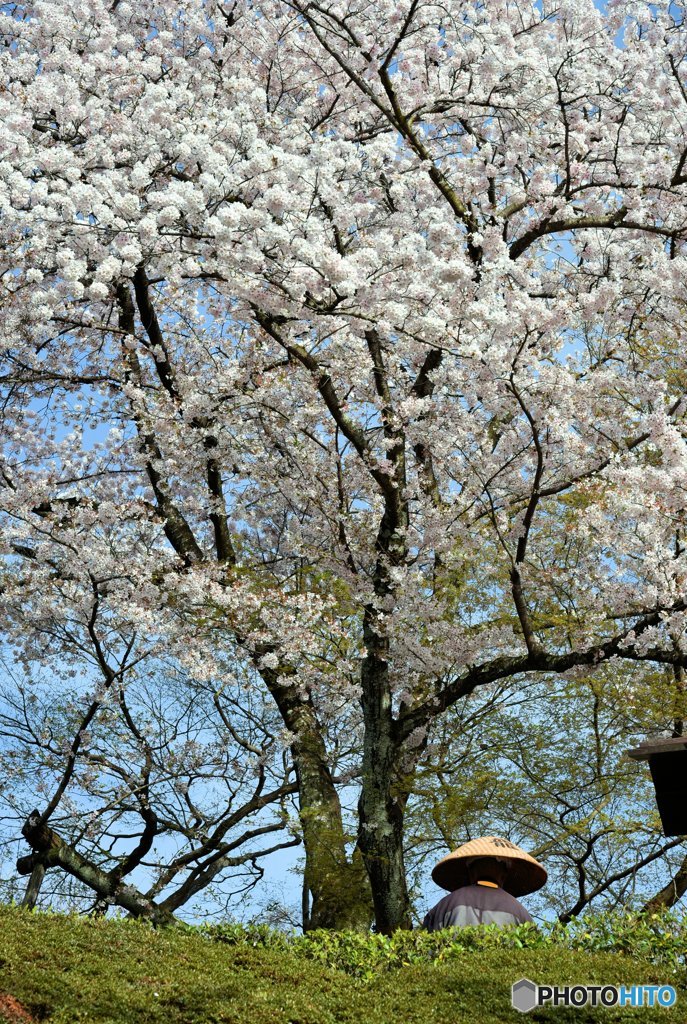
(670, 894)
(381, 841)
(339, 890)
(50, 850)
(381, 807)
(34, 885)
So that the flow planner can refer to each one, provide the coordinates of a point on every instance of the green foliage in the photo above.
(545, 763)
(659, 938)
(71, 970)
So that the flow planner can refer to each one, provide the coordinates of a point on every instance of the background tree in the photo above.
(156, 789)
(546, 765)
(314, 308)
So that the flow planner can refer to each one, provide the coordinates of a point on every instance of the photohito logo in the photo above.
(525, 995)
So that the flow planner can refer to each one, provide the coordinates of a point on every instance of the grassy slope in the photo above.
(69, 970)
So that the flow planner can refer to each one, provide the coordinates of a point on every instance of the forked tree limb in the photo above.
(51, 850)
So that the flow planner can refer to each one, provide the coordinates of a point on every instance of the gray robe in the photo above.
(475, 904)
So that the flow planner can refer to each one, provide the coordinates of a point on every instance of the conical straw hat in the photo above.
(525, 874)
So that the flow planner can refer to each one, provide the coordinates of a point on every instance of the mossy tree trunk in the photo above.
(337, 884)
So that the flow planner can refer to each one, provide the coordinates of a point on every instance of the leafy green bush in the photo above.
(658, 938)
(74, 970)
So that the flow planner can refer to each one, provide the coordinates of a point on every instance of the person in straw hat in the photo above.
(483, 878)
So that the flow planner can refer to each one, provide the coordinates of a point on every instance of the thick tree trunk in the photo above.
(382, 801)
(339, 889)
(381, 843)
(50, 850)
(338, 885)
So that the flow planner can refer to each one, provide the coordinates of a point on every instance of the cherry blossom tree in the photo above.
(346, 338)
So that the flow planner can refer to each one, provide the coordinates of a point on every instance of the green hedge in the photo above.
(72, 970)
(659, 938)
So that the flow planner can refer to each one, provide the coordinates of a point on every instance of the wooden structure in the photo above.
(668, 763)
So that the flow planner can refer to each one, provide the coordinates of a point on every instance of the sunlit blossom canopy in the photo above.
(343, 379)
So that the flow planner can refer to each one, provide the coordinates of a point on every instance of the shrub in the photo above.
(660, 938)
